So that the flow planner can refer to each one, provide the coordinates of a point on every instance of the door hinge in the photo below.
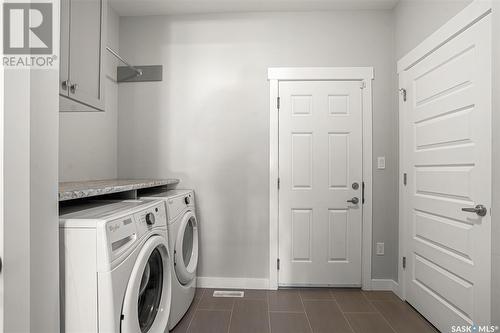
(405, 179)
(279, 183)
(363, 85)
(278, 103)
(403, 92)
(404, 262)
(278, 264)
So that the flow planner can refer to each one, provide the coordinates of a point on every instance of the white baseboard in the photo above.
(231, 283)
(382, 284)
(397, 289)
(385, 284)
(252, 283)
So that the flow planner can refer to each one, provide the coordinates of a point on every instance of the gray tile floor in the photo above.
(302, 310)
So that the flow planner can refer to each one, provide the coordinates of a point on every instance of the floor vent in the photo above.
(228, 293)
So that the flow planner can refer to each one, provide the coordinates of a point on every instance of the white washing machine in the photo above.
(115, 267)
(183, 241)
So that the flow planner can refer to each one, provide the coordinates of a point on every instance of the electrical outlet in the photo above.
(380, 249)
(381, 162)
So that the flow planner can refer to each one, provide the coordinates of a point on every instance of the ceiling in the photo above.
(171, 7)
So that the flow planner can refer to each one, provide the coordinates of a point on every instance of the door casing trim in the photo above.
(361, 74)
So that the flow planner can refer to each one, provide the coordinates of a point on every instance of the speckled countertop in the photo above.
(84, 189)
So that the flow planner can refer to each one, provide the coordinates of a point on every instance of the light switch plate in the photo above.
(381, 162)
(380, 249)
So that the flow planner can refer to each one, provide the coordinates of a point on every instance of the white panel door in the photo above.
(447, 126)
(320, 157)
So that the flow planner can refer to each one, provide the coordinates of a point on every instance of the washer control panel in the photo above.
(123, 232)
(152, 217)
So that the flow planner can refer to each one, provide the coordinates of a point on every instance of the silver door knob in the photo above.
(73, 87)
(354, 201)
(65, 84)
(479, 210)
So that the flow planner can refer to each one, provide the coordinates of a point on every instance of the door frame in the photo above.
(471, 14)
(365, 76)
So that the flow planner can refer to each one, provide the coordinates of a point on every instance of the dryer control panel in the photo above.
(179, 203)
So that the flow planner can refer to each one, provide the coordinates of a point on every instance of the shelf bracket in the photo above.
(129, 73)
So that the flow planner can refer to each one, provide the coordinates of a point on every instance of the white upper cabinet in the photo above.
(82, 50)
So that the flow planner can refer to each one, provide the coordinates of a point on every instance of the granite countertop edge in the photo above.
(84, 189)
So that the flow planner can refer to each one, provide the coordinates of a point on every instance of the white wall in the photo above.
(88, 140)
(207, 122)
(15, 275)
(415, 20)
(30, 250)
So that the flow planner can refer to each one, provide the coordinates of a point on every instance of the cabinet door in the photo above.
(85, 52)
(64, 54)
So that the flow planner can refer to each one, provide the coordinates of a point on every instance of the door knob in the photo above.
(479, 210)
(73, 87)
(65, 84)
(354, 201)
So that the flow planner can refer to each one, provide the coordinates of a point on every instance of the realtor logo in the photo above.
(28, 35)
(27, 28)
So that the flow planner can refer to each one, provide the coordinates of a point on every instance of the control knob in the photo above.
(150, 218)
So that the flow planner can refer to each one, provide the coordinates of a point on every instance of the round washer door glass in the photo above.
(187, 244)
(186, 248)
(146, 304)
(150, 290)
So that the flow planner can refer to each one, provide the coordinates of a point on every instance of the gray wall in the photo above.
(208, 121)
(88, 140)
(44, 226)
(415, 20)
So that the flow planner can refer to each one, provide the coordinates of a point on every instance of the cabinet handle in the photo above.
(65, 84)
(73, 88)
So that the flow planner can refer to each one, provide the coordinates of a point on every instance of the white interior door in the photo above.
(320, 158)
(447, 126)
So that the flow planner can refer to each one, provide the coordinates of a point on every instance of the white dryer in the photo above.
(183, 241)
(115, 267)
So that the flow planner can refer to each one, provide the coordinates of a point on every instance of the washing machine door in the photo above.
(146, 305)
(186, 248)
